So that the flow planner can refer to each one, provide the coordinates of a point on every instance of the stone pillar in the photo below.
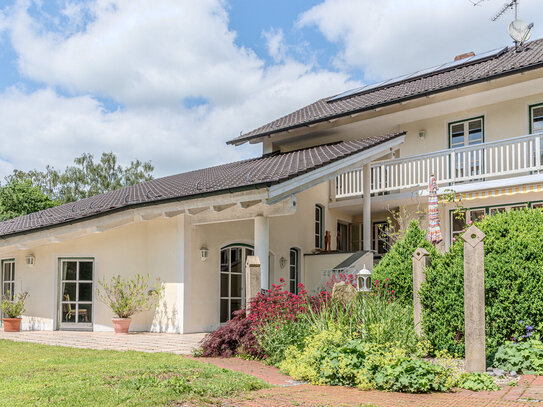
(366, 207)
(474, 299)
(252, 279)
(421, 259)
(262, 248)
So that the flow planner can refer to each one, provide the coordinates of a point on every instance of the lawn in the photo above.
(38, 375)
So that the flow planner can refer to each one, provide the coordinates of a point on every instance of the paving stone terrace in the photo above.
(181, 344)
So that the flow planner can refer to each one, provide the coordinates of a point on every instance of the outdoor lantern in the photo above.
(282, 262)
(364, 280)
(203, 253)
(30, 260)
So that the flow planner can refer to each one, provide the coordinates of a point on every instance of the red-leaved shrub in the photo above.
(237, 335)
(233, 338)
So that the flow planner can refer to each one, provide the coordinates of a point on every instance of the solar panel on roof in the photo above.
(417, 74)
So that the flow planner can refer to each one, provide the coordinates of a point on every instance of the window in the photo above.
(8, 278)
(344, 237)
(232, 275)
(319, 227)
(466, 133)
(381, 243)
(294, 271)
(76, 290)
(458, 222)
(499, 209)
(536, 118)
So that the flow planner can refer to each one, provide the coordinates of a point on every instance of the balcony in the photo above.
(494, 160)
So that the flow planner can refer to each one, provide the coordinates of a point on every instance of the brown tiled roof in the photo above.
(257, 172)
(506, 63)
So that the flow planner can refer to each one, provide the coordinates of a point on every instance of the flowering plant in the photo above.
(341, 278)
(280, 305)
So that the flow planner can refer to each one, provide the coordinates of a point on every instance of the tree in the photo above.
(86, 178)
(20, 197)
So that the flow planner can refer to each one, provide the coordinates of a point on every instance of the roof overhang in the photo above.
(327, 172)
(277, 199)
(259, 137)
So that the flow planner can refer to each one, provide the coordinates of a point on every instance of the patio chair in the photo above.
(69, 311)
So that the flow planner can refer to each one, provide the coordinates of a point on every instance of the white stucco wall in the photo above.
(151, 247)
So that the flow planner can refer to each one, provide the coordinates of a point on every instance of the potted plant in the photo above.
(13, 309)
(126, 297)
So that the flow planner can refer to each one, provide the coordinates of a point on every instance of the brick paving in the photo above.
(286, 392)
(181, 344)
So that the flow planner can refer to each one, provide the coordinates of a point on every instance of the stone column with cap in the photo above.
(252, 279)
(474, 299)
(421, 259)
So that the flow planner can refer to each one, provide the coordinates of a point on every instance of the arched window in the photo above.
(294, 271)
(233, 279)
(319, 227)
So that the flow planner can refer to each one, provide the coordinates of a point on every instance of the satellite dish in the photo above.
(520, 31)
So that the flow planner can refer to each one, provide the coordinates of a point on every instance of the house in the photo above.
(333, 168)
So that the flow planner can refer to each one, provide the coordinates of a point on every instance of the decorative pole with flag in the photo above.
(434, 231)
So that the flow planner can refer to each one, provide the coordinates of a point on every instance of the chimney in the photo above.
(464, 56)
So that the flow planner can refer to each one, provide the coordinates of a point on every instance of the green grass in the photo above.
(39, 375)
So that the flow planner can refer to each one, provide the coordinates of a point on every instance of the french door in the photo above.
(462, 134)
(76, 293)
(232, 274)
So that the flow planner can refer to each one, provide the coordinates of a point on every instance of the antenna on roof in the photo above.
(519, 30)
(506, 6)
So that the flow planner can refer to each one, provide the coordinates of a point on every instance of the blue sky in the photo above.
(172, 80)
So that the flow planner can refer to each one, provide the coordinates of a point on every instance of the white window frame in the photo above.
(466, 124)
(532, 118)
(244, 249)
(77, 325)
(10, 283)
(473, 214)
(293, 267)
(318, 225)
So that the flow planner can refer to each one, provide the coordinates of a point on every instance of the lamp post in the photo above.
(364, 280)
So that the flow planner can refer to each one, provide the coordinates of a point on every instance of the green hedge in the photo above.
(513, 283)
(397, 264)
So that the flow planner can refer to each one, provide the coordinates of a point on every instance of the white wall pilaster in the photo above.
(262, 247)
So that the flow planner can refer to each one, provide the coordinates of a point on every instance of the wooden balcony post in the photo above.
(332, 185)
(366, 184)
(452, 166)
(538, 152)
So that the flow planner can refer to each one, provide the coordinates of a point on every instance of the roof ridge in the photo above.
(505, 61)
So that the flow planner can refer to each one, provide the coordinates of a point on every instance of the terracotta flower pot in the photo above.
(12, 324)
(121, 325)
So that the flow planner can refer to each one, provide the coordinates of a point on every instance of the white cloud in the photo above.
(275, 43)
(149, 60)
(390, 37)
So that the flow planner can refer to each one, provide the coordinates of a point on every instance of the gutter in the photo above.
(135, 206)
(259, 185)
(239, 141)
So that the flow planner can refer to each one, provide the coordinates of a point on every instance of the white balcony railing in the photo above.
(498, 159)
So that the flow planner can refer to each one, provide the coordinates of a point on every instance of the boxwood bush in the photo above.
(397, 264)
(513, 283)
